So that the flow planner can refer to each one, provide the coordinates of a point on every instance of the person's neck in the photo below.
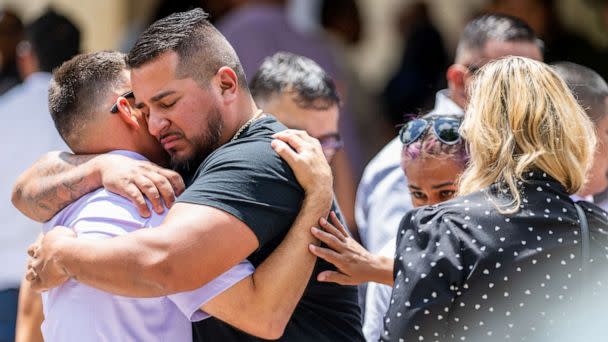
(246, 110)
(99, 143)
(457, 99)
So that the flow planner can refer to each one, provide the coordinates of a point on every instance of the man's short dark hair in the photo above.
(54, 39)
(589, 88)
(283, 71)
(79, 89)
(500, 27)
(201, 48)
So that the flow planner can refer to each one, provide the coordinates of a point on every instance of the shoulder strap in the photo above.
(585, 241)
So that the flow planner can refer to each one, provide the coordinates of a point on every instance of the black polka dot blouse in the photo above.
(465, 272)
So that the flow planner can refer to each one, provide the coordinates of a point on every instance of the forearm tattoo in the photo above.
(54, 183)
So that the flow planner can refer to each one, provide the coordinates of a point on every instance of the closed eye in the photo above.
(165, 106)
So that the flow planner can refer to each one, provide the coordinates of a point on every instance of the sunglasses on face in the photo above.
(127, 95)
(445, 129)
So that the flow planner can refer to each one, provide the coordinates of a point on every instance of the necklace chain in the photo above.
(247, 124)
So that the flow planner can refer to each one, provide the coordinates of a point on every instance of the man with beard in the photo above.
(240, 202)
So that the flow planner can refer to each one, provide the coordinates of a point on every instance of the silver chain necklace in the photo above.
(256, 116)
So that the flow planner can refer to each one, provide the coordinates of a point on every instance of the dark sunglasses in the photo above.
(445, 129)
(127, 95)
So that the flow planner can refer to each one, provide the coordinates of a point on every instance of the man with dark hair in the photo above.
(299, 93)
(24, 109)
(240, 203)
(591, 91)
(381, 203)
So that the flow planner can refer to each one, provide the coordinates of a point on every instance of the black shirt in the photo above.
(466, 272)
(247, 179)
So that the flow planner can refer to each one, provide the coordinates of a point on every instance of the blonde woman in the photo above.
(503, 261)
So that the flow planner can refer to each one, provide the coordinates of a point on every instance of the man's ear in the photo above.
(126, 113)
(456, 76)
(228, 82)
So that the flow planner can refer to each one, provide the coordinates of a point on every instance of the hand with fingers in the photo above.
(306, 159)
(355, 264)
(44, 269)
(137, 180)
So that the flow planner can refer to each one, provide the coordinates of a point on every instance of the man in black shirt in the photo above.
(239, 204)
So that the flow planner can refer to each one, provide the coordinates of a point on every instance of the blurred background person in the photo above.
(344, 28)
(422, 68)
(560, 42)
(303, 96)
(11, 33)
(49, 41)
(591, 92)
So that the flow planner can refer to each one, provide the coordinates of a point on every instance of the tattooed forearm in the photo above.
(52, 183)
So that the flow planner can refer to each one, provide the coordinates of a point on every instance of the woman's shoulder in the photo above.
(597, 218)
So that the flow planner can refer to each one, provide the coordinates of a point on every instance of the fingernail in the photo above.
(314, 230)
(323, 220)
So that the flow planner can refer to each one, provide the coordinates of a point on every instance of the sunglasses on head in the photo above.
(444, 128)
(126, 95)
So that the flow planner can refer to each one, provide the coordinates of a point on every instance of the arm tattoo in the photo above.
(52, 184)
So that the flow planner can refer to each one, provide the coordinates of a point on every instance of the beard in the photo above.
(203, 144)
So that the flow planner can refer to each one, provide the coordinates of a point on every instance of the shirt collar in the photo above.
(445, 105)
(130, 154)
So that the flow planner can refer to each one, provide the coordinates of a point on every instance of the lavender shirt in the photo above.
(76, 312)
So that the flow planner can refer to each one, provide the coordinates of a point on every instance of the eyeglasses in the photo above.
(126, 95)
(330, 143)
(445, 129)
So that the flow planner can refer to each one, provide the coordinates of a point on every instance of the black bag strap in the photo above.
(585, 241)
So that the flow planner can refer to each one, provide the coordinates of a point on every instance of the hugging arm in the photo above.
(60, 178)
(263, 303)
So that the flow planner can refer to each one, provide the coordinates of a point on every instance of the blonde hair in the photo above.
(522, 117)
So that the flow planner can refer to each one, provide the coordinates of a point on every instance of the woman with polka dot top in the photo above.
(504, 260)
